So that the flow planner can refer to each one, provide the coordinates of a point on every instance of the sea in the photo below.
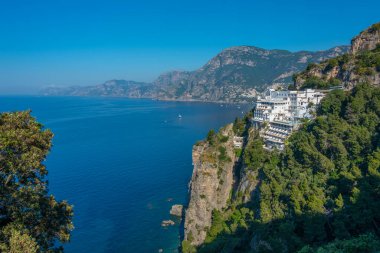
(122, 163)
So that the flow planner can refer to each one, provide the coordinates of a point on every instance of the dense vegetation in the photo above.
(30, 220)
(321, 194)
(368, 62)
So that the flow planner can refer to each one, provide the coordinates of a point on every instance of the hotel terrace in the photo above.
(278, 113)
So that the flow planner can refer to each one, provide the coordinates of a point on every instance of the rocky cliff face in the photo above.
(211, 184)
(362, 64)
(366, 40)
(249, 180)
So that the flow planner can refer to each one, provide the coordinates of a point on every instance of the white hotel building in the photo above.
(278, 113)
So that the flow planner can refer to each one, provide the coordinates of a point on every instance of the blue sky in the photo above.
(67, 42)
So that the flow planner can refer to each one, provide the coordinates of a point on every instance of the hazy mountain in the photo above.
(234, 75)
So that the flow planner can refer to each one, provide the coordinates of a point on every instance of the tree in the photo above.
(19, 242)
(238, 126)
(25, 205)
(211, 136)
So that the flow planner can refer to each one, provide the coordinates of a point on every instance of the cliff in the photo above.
(211, 183)
(249, 179)
(366, 40)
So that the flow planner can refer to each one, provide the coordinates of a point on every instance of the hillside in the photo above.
(320, 194)
(238, 72)
(361, 64)
(234, 75)
(321, 191)
(114, 88)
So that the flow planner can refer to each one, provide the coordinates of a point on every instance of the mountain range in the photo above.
(234, 75)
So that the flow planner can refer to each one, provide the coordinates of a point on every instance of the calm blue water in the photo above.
(119, 161)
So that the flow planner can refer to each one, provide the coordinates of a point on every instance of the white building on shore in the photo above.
(278, 113)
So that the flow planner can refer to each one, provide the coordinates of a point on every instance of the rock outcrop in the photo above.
(176, 210)
(362, 64)
(366, 40)
(211, 184)
(166, 223)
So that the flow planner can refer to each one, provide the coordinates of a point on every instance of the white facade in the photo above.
(238, 142)
(281, 111)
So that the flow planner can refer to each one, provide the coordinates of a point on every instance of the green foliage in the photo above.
(375, 27)
(27, 212)
(343, 59)
(318, 83)
(232, 221)
(238, 127)
(321, 193)
(311, 66)
(331, 63)
(294, 77)
(223, 157)
(292, 87)
(314, 82)
(254, 154)
(218, 225)
(367, 61)
(187, 247)
(223, 139)
(238, 152)
(211, 137)
(334, 82)
(19, 241)
(333, 103)
(367, 243)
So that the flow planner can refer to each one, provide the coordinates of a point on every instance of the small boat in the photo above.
(179, 116)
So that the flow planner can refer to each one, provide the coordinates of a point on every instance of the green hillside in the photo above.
(322, 194)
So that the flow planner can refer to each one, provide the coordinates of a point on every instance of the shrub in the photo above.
(223, 139)
(310, 66)
(315, 82)
(211, 137)
(291, 87)
(334, 82)
(187, 247)
(375, 27)
(331, 64)
(223, 154)
(238, 126)
(238, 152)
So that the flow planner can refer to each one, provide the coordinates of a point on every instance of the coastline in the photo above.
(155, 99)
